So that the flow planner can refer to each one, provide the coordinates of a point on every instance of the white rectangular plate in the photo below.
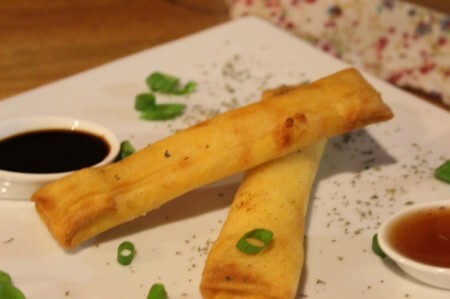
(361, 181)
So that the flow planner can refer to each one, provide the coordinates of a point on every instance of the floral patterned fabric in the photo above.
(405, 44)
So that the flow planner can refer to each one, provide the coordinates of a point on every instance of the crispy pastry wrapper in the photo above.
(92, 200)
(273, 196)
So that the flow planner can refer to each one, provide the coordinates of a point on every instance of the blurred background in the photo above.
(45, 40)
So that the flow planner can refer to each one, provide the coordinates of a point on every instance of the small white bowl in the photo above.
(429, 274)
(19, 185)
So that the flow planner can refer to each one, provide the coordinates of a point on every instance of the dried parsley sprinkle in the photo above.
(320, 281)
(8, 241)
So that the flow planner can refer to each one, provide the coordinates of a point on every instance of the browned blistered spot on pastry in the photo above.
(183, 162)
(301, 117)
(245, 201)
(232, 280)
(284, 137)
(289, 122)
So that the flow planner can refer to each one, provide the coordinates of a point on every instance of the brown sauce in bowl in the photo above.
(424, 236)
(51, 151)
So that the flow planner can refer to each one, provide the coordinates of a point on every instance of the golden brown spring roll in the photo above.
(273, 196)
(93, 200)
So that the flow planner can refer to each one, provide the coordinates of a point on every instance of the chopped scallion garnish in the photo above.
(157, 291)
(125, 253)
(7, 289)
(145, 101)
(164, 83)
(162, 112)
(188, 88)
(126, 149)
(376, 247)
(443, 172)
(261, 235)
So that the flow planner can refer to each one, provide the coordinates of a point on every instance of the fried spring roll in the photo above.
(273, 196)
(93, 200)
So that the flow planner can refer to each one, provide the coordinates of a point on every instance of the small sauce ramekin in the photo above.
(20, 185)
(438, 276)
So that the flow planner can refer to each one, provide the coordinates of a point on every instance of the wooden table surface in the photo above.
(45, 40)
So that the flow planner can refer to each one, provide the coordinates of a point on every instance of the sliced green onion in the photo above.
(157, 291)
(163, 112)
(160, 82)
(126, 149)
(164, 83)
(188, 88)
(144, 101)
(259, 234)
(443, 172)
(376, 247)
(7, 289)
(125, 253)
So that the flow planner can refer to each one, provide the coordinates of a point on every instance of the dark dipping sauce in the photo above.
(424, 236)
(51, 151)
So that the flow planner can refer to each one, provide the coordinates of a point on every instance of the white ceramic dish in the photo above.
(19, 185)
(362, 180)
(433, 275)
